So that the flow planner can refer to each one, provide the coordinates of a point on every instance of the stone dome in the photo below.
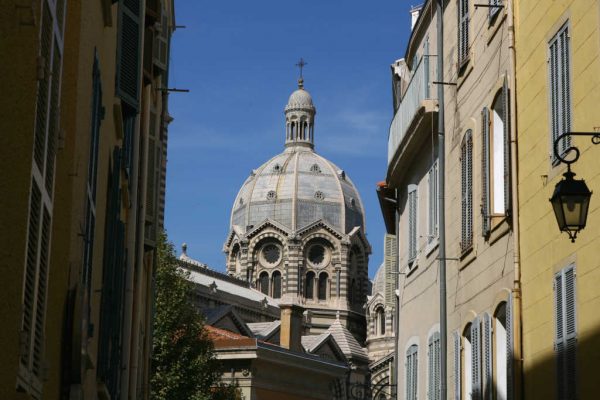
(300, 99)
(296, 188)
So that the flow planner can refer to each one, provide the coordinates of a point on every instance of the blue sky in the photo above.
(237, 58)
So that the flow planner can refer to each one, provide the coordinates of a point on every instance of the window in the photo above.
(559, 71)
(486, 357)
(457, 365)
(493, 11)
(380, 320)
(475, 341)
(433, 367)
(463, 32)
(323, 278)
(496, 150)
(433, 208)
(39, 226)
(310, 285)
(466, 184)
(503, 352)
(276, 284)
(411, 372)
(565, 339)
(412, 223)
(263, 282)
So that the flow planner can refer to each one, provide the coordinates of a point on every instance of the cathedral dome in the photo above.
(298, 186)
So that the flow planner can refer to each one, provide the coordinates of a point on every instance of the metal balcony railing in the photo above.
(419, 89)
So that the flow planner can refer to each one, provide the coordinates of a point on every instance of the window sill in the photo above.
(500, 227)
(432, 246)
(411, 268)
(467, 256)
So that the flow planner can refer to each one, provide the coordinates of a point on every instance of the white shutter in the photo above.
(476, 359)
(430, 369)
(559, 71)
(412, 223)
(411, 372)
(390, 259)
(485, 172)
(457, 369)
(433, 367)
(488, 383)
(467, 191)
(433, 202)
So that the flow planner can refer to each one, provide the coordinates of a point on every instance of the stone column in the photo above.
(293, 266)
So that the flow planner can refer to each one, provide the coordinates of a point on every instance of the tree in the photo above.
(183, 360)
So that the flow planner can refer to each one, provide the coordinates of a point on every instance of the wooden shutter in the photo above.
(128, 52)
(463, 31)
(430, 369)
(467, 191)
(559, 70)
(476, 358)
(390, 259)
(506, 141)
(412, 223)
(161, 42)
(565, 333)
(457, 367)
(485, 172)
(509, 349)
(488, 383)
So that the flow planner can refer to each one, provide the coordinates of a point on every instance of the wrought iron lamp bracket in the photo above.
(572, 149)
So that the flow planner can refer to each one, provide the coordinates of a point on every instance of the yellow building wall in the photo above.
(545, 251)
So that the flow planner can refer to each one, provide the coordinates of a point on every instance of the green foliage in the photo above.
(183, 361)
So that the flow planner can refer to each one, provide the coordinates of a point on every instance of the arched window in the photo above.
(380, 320)
(263, 282)
(500, 347)
(498, 156)
(411, 372)
(351, 295)
(433, 366)
(276, 284)
(310, 285)
(323, 286)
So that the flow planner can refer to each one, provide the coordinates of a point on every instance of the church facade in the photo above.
(297, 229)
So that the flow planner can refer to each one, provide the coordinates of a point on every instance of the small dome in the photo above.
(299, 99)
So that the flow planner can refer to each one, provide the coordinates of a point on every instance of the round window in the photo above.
(318, 256)
(271, 254)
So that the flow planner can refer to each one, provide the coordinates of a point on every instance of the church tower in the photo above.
(297, 229)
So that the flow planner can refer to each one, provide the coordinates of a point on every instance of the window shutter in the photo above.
(485, 172)
(509, 349)
(411, 372)
(426, 66)
(488, 383)
(390, 254)
(559, 71)
(433, 202)
(467, 191)
(161, 42)
(470, 188)
(433, 367)
(53, 119)
(571, 332)
(476, 359)
(463, 31)
(506, 117)
(430, 369)
(457, 369)
(412, 223)
(565, 332)
(128, 52)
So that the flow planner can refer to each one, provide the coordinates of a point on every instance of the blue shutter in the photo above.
(485, 172)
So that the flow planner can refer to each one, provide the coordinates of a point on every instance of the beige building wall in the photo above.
(544, 250)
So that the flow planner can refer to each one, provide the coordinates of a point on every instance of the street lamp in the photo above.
(571, 197)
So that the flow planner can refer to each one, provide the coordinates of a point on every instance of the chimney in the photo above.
(290, 332)
(415, 11)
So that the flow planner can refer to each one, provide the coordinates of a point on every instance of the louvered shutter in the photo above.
(430, 369)
(494, 10)
(559, 71)
(488, 383)
(161, 42)
(457, 368)
(463, 183)
(506, 118)
(463, 31)
(476, 359)
(469, 188)
(391, 269)
(433, 202)
(426, 66)
(485, 172)
(565, 332)
(128, 52)
(412, 223)
(509, 349)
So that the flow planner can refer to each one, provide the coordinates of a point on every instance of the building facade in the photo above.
(297, 229)
(477, 78)
(82, 163)
(557, 68)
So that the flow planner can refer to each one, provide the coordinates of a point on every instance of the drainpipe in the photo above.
(442, 214)
(396, 364)
(516, 291)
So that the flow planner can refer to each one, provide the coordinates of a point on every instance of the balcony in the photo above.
(414, 113)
